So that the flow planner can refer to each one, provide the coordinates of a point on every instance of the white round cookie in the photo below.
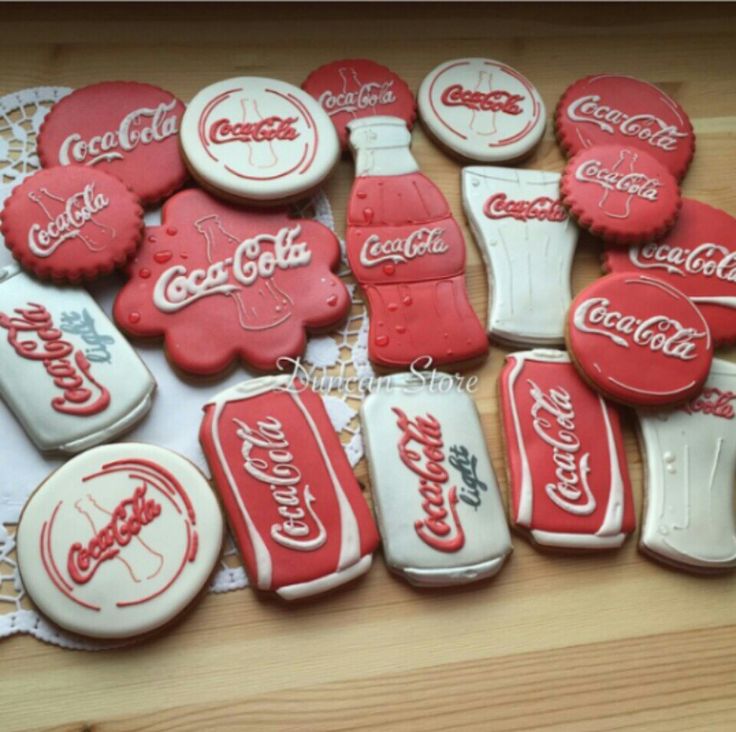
(258, 139)
(482, 110)
(119, 541)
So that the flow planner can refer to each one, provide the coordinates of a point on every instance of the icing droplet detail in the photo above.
(145, 273)
(382, 340)
(171, 230)
(332, 300)
(134, 317)
(162, 257)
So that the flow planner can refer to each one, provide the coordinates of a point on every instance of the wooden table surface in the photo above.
(565, 643)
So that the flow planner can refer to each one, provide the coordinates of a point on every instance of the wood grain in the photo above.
(555, 643)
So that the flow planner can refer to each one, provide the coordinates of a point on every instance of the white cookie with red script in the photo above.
(259, 140)
(482, 110)
(119, 541)
(527, 240)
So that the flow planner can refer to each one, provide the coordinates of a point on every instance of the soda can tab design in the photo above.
(66, 372)
(527, 241)
(408, 254)
(297, 511)
(690, 456)
(568, 477)
(439, 511)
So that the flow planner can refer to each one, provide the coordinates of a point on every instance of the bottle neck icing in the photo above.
(380, 146)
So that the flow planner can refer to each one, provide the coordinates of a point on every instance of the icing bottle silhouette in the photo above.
(483, 121)
(618, 206)
(350, 85)
(408, 253)
(261, 154)
(260, 305)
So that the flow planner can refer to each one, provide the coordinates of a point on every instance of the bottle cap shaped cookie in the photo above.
(72, 224)
(698, 257)
(569, 482)
(119, 541)
(292, 500)
(258, 139)
(437, 502)
(690, 462)
(125, 128)
(482, 110)
(70, 377)
(621, 194)
(639, 341)
(222, 282)
(353, 88)
(609, 109)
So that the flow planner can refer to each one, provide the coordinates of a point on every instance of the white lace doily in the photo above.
(341, 353)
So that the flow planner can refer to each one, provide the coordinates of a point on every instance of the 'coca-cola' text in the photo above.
(420, 243)
(497, 100)
(541, 208)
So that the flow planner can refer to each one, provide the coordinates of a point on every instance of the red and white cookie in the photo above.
(352, 88)
(568, 477)
(258, 139)
(119, 541)
(125, 128)
(698, 256)
(293, 502)
(222, 282)
(70, 224)
(482, 110)
(621, 194)
(609, 109)
(639, 341)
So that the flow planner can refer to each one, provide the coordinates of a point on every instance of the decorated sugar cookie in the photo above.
(293, 503)
(698, 257)
(611, 109)
(258, 139)
(221, 283)
(125, 128)
(569, 482)
(690, 460)
(639, 340)
(621, 194)
(69, 376)
(435, 492)
(482, 110)
(72, 224)
(119, 541)
(353, 88)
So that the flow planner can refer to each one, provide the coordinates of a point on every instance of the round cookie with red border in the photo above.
(608, 109)
(353, 88)
(125, 128)
(639, 341)
(698, 256)
(621, 194)
(483, 110)
(72, 223)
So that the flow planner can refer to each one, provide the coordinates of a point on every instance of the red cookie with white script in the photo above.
(222, 282)
(70, 224)
(639, 341)
(621, 194)
(698, 257)
(608, 109)
(121, 127)
(354, 88)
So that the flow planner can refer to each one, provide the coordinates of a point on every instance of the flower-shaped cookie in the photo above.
(222, 282)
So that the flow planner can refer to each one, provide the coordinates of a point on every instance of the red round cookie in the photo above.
(698, 257)
(73, 223)
(609, 109)
(639, 341)
(353, 88)
(121, 127)
(620, 194)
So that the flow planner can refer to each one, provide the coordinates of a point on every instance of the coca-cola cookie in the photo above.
(639, 341)
(621, 194)
(70, 224)
(352, 88)
(119, 541)
(223, 282)
(257, 139)
(609, 109)
(483, 110)
(125, 128)
(698, 256)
